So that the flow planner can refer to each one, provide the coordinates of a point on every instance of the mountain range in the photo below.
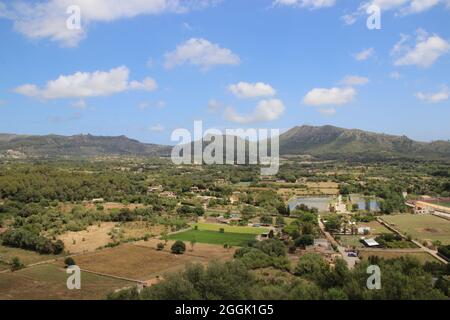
(321, 142)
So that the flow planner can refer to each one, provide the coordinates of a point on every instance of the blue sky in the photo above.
(143, 68)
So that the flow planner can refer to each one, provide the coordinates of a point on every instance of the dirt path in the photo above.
(421, 246)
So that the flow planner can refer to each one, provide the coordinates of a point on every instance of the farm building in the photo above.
(155, 189)
(364, 230)
(428, 205)
(371, 243)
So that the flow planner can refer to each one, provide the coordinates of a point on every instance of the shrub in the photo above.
(69, 261)
(160, 246)
(178, 247)
(445, 251)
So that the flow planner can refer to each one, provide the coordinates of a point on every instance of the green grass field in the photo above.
(350, 241)
(230, 229)
(48, 281)
(422, 227)
(214, 237)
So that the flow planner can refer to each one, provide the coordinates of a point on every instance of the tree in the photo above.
(266, 219)
(165, 237)
(69, 261)
(313, 267)
(217, 281)
(304, 240)
(58, 247)
(193, 242)
(178, 247)
(333, 223)
(279, 222)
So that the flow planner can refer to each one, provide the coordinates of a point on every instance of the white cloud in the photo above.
(47, 19)
(312, 4)
(266, 110)
(349, 19)
(157, 128)
(86, 84)
(403, 6)
(426, 51)
(364, 54)
(334, 96)
(200, 52)
(251, 90)
(354, 81)
(435, 97)
(395, 75)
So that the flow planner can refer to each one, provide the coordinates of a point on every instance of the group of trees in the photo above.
(303, 229)
(34, 183)
(27, 239)
(312, 278)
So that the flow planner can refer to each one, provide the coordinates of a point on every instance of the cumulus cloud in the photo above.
(435, 97)
(202, 53)
(312, 4)
(86, 84)
(400, 7)
(403, 6)
(251, 90)
(47, 19)
(266, 110)
(425, 52)
(354, 81)
(334, 96)
(364, 54)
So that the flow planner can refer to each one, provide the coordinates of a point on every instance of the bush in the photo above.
(222, 230)
(445, 251)
(178, 247)
(69, 261)
(160, 246)
(304, 240)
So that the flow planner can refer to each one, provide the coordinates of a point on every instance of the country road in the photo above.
(421, 246)
(351, 261)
